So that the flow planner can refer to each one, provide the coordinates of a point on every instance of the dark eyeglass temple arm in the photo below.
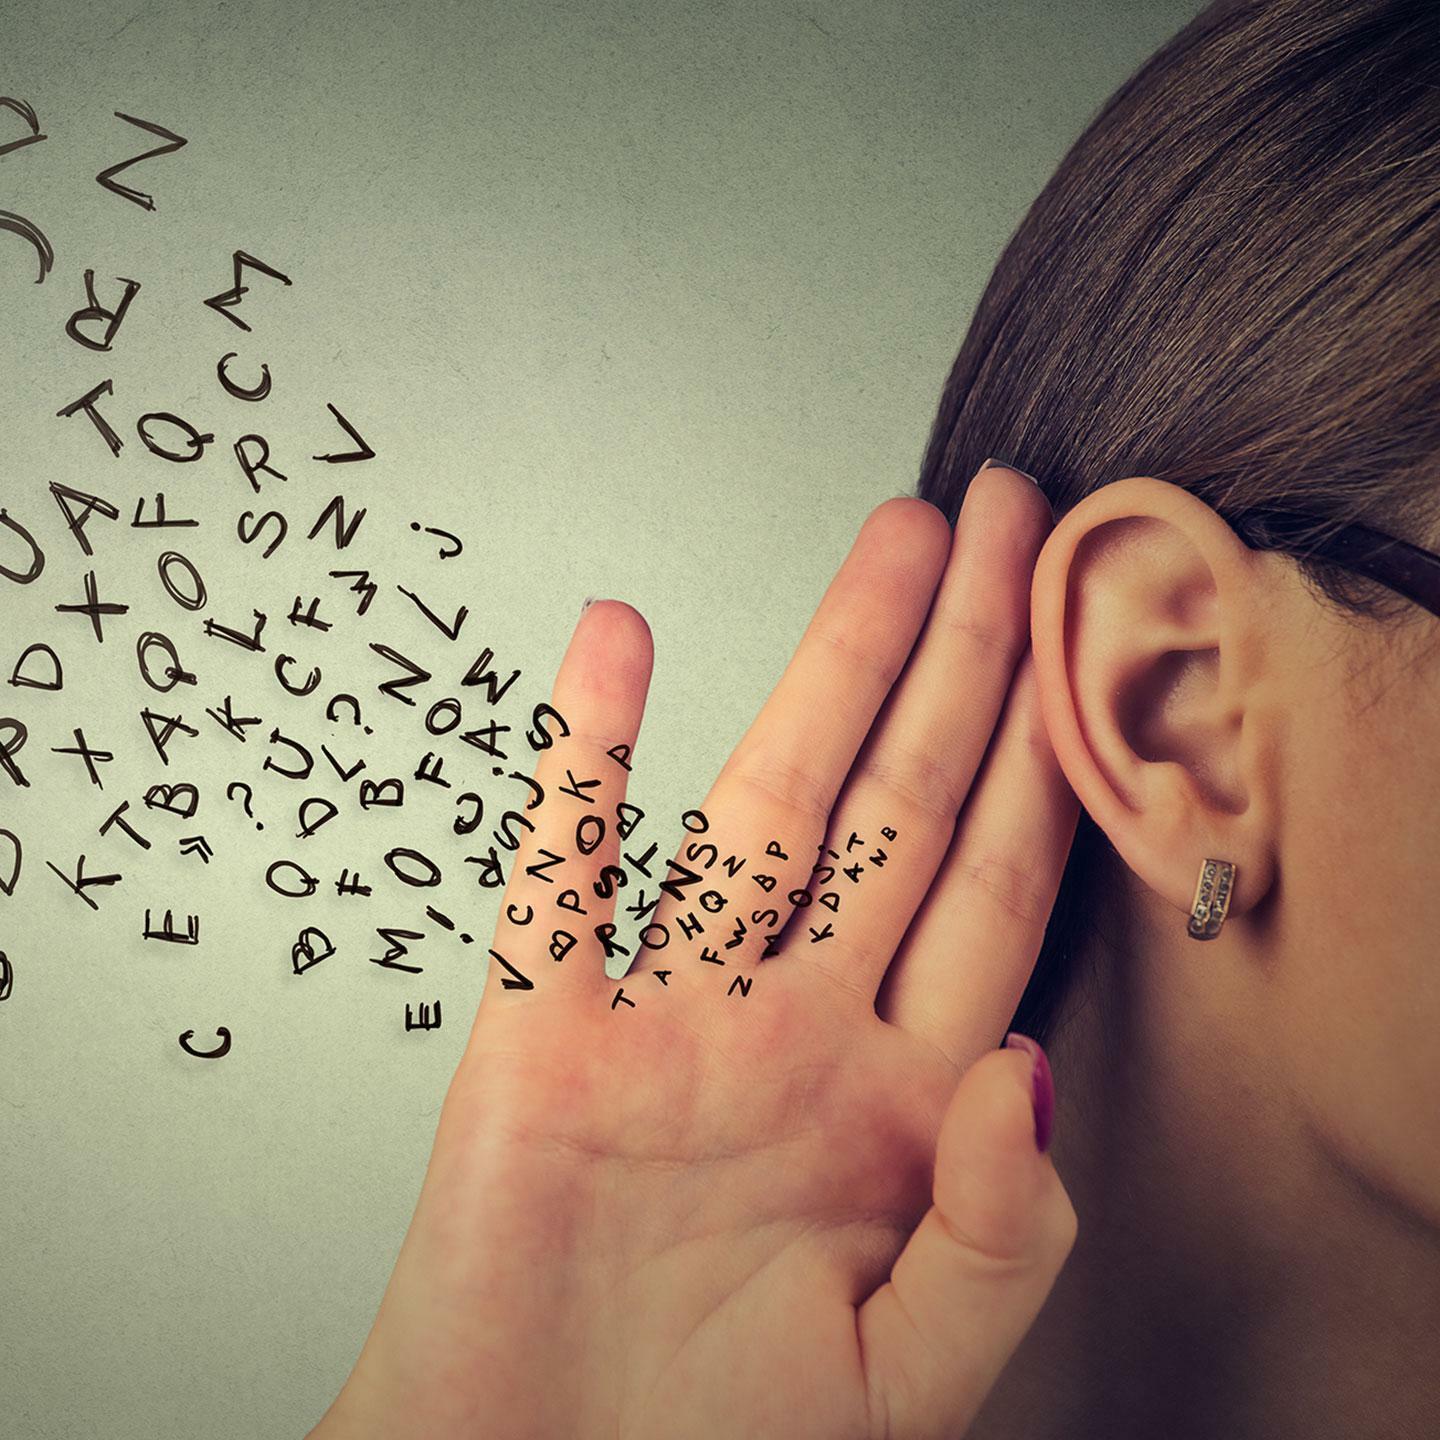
(1396, 564)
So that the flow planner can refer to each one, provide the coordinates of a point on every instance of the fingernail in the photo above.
(589, 601)
(1042, 1086)
(993, 460)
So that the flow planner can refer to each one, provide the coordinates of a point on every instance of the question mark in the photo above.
(230, 790)
(354, 705)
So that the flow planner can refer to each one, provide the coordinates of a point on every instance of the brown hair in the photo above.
(1229, 284)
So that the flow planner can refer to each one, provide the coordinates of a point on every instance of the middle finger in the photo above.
(767, 809)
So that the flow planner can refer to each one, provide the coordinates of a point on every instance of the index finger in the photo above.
(550, 932)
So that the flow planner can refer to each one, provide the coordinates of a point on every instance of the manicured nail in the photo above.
(1042, 1086)
(993, 460)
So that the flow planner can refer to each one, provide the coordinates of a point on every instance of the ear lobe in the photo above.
(1148, 622)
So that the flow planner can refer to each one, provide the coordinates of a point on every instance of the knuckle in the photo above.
(788, 785)
(988, 631)
(582, 741)
(855, 652)
(1008, 885)
(927, 784)
(994, 1240)
(1064, 1225)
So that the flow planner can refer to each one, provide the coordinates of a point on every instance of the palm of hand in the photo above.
(659, 1219)
(659, 1205)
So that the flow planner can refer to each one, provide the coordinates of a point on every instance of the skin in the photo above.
(1249, 1127)
(815, 1211)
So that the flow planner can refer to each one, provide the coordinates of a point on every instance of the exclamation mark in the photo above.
(442, 919)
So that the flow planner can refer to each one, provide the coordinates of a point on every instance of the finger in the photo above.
(767, 809)
(896, 814)
(970, 1282)
(964, 963)
(546, 934)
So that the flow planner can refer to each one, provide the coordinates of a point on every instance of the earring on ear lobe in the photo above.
(1212, 899)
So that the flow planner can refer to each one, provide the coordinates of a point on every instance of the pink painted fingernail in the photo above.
(1042, 1086)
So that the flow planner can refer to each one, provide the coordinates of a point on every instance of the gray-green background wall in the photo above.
(651, 301)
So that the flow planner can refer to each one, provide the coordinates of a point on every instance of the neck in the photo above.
(1231, 1276)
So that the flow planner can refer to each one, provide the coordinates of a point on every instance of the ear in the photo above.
(1153, 628)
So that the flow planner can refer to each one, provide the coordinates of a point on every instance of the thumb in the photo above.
(972, 1279)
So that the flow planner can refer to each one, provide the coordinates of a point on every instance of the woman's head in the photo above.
(1227, 296)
